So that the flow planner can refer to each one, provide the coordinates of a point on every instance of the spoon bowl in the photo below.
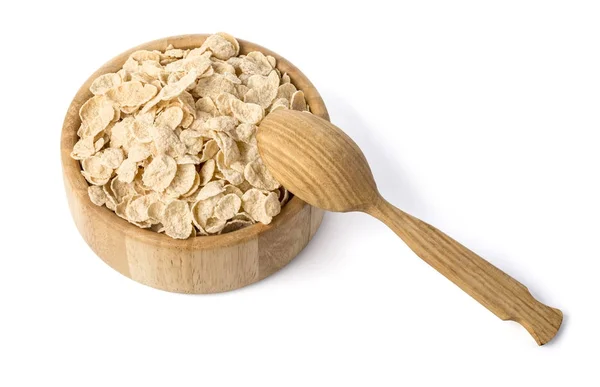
(297, 148)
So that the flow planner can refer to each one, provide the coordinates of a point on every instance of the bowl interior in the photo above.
(77, 184)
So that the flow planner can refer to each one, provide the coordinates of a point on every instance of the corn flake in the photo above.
(127, 171)
(257, 174)
(131, 94)
(227, 207)
(214, 225)
(286, 91)
(256, 63)
(83, 149)
(248, 113)
(104, 83)
(177, 219)
(160, 173)
(183, 180)
(112, 157)
(207, 171)
(137, 208)
(97, 195)
(297, 102)
(211, 189)
(254, 203)
(96, 113)
(220, 46)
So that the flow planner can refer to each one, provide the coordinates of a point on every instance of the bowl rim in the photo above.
(76, 183)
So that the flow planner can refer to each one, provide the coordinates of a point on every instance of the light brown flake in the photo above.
(253, 202)
(143, 55)
(210, 150)
(248, 113)
(206, 105)
(167, 142)
(256, 63)
(248, 151)
(122, 133)
(232, 40)
(272, 204)
(122, 206)
(207, 171)
(156, 211)
(211, 189)
(280, 103)
(96, 113)
(160, 173)
(214, 225)
(139, 152)
(99, 144)
(213, 86)
(104, 83)
(150, 70)
(84, 148)
(203, 209)
(177, 219)
(263, 90)
(137, 209)
(193, 140)
(127, 171)
(171, 90)
(112, 157)
(297, 102)
(194, 188)
(170, 117)
(223, 103)
(188, 159)
(221, 124)
(222, 67)
(231, 175)
(132, 94)
(95, 171)
(286, 91)
(221, 47)
(140, 127)
(119, 190)
(257, 174)
(227, 207)
(243, 133)
(229, 148)
(197, 63)
(97, 195)
(183, 180)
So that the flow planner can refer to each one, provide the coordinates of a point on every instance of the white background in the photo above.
(481, 118)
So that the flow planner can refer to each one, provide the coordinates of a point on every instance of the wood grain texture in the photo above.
(207, 264)
(501, 294)
(319, 163)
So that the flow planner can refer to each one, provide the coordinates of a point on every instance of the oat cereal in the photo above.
(168, 141)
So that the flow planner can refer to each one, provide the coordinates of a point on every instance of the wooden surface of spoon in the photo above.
(319, 163)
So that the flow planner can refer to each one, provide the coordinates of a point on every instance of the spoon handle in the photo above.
(501, 294)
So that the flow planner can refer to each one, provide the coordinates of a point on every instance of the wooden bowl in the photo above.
(207, 264)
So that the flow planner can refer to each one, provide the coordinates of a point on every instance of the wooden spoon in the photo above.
(319, 163)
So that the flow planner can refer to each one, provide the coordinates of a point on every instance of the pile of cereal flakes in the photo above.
(168, 142)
